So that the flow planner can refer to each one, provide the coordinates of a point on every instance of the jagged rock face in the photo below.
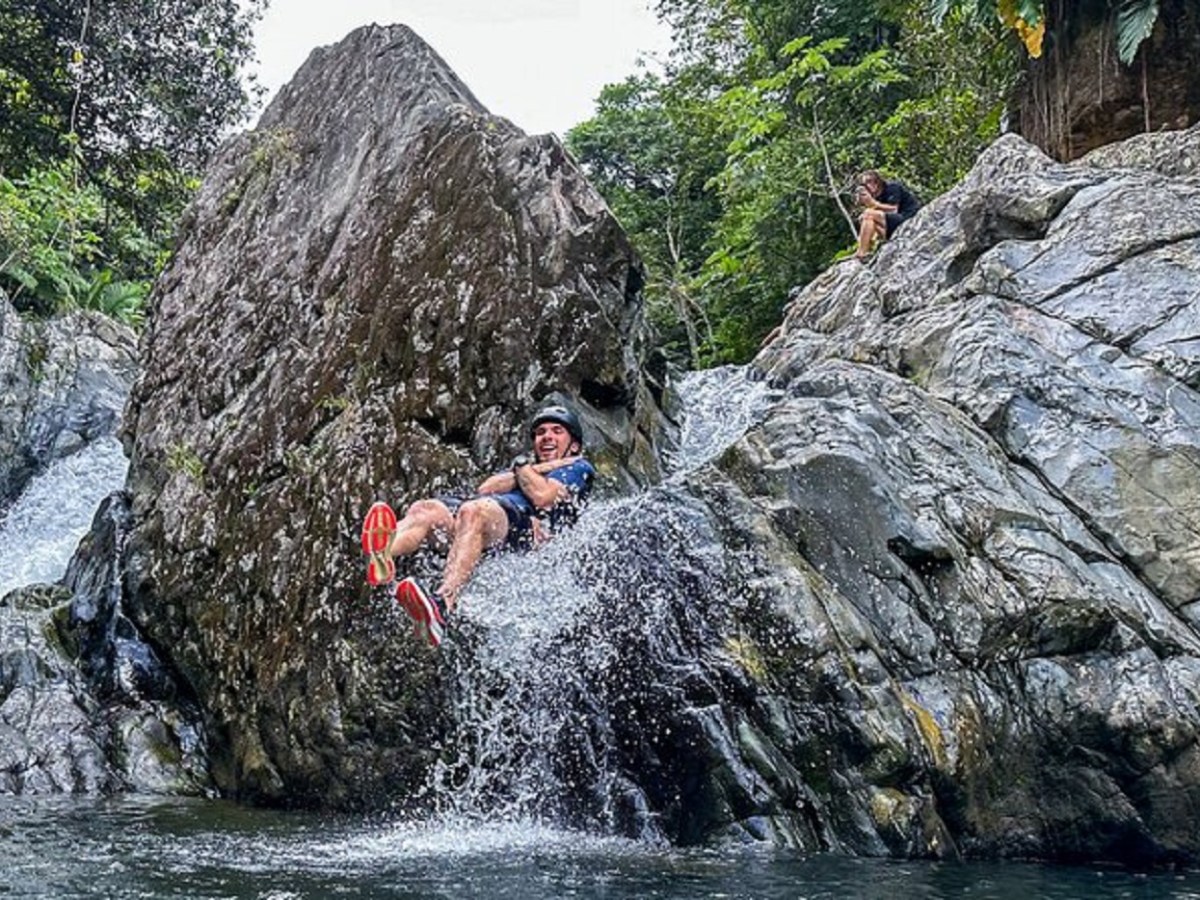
(63, 382)
(969, 530)
(371, 292)
(48, 741)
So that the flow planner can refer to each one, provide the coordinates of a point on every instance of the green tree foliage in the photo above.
(960, 72)
(143, 84)
(649, 151)
(766, 111)
(51, 246)
(793, 137)
(112, 102)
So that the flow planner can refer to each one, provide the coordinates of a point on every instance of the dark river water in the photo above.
(208, 849)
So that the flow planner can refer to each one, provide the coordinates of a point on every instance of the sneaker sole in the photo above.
(427, 621)
(378, 529)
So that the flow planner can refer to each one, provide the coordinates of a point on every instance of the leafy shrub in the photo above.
(62, 247)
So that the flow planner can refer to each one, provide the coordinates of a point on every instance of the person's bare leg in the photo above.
(866, 228)
(872, 226)
(479, 525)
(881, 233)
(423, 518)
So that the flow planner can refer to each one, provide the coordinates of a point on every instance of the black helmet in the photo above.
(563, 417)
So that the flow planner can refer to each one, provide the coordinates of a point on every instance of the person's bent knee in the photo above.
(422, 507)
(430, 511)
(483, 517)
(474, 513)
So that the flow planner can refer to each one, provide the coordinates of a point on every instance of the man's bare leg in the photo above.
(479, 525)
(421, 520)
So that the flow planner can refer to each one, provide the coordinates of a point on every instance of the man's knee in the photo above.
(429, 512)
(474, 514)
(483, 517)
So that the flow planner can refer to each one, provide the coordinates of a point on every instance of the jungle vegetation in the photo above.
(732, 163)
(110, 110)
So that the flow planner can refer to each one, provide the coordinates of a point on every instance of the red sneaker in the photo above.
(425, 608)
(377, 531)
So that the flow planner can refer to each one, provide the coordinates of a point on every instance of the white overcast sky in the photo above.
(539, 63)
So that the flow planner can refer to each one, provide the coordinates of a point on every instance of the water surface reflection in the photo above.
(143, 848)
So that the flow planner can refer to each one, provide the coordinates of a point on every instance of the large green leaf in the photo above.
(1135, 22)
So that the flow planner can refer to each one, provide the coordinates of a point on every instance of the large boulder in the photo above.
(371, 293)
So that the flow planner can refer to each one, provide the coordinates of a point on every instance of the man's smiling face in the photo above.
(551, 441)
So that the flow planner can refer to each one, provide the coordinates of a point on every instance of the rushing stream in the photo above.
(496, 831)
(40, 531)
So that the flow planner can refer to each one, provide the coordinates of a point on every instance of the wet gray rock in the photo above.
(85, 706)
(63, 384)
(969, 532)
(370, 295)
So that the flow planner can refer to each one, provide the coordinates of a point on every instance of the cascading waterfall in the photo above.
(516, 687)
(538, 659)
(45, 523)
(719, 406)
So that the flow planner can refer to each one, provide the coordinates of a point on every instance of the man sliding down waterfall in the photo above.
(514, 509)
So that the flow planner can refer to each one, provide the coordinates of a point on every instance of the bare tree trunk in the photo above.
(685, 305)
(831, 181)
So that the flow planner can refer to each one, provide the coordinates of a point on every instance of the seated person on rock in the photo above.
(886, 206)
(510, 510)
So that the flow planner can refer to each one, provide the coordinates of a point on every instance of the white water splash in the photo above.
(44, 525)
(516, 686)
(448, 838)
(538, 628)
